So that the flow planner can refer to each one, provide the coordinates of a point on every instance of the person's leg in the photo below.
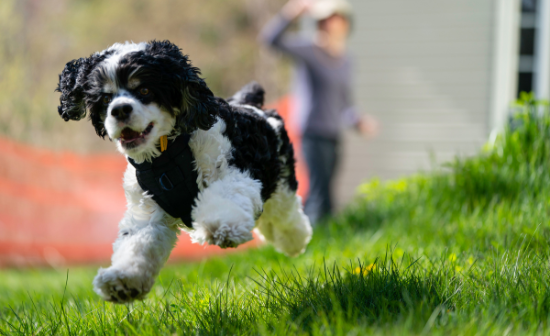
(311, 153)
(331, 157)
(317, 154)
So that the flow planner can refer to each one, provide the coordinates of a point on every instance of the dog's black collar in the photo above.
(171, 179)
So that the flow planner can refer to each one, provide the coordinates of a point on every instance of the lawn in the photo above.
(462, 250)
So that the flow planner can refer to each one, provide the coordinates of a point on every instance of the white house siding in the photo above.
(423, 69)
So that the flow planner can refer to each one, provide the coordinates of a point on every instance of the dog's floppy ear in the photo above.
(73, 84)
(198, 106)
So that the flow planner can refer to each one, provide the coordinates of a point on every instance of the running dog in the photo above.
(215, 168)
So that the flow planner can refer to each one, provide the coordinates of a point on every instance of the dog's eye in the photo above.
(144, 91)
(106, 99)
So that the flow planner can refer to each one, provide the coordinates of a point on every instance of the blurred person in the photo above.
(322, 90)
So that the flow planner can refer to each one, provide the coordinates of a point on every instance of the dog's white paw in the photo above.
(121, 286)
(220, 221)
(222, 233)
(230, 235)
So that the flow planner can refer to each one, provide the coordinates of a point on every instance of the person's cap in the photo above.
(323, 9)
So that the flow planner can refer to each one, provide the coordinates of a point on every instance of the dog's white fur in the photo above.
(228, 207)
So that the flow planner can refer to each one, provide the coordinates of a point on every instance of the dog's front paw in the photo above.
(222, 233)
(121, 286)
(227, 243)
(230, 236)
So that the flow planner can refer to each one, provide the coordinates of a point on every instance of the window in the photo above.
(528, 6)
(528, 25)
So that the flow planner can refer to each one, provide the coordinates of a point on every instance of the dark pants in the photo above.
(321, 156)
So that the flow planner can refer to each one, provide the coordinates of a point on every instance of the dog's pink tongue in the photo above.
(129, 134)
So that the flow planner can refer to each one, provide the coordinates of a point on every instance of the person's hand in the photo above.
(295, 8)
(368, 126)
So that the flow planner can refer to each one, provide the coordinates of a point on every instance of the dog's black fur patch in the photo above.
(255, 147)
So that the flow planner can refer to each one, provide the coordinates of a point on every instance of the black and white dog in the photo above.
(215, 168)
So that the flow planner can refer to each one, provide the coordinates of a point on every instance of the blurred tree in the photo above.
(37, 38)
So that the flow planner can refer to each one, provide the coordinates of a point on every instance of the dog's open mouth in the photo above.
(131, 138)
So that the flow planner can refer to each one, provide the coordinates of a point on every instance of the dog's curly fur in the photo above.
(137, 93)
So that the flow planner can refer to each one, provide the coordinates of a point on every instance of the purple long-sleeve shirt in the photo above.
(322, 84)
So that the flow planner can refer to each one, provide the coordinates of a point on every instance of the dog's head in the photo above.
(136, 93)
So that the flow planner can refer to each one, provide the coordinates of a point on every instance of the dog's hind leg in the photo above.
(283, 222)
(146, 238)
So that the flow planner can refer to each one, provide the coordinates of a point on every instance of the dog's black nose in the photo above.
(121, 112)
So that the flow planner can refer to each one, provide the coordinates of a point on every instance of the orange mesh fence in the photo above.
(63, 208)
(284, 107)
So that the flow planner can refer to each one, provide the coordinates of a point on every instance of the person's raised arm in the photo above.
(295, 8)
(273, 34)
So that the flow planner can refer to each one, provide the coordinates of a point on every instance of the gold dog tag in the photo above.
(163, 143)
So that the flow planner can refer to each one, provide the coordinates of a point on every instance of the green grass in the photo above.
(459, 251)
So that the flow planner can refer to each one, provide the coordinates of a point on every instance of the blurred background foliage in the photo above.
(38, 37)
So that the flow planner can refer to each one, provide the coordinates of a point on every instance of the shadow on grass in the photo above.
(298, 303)
(376, 293)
